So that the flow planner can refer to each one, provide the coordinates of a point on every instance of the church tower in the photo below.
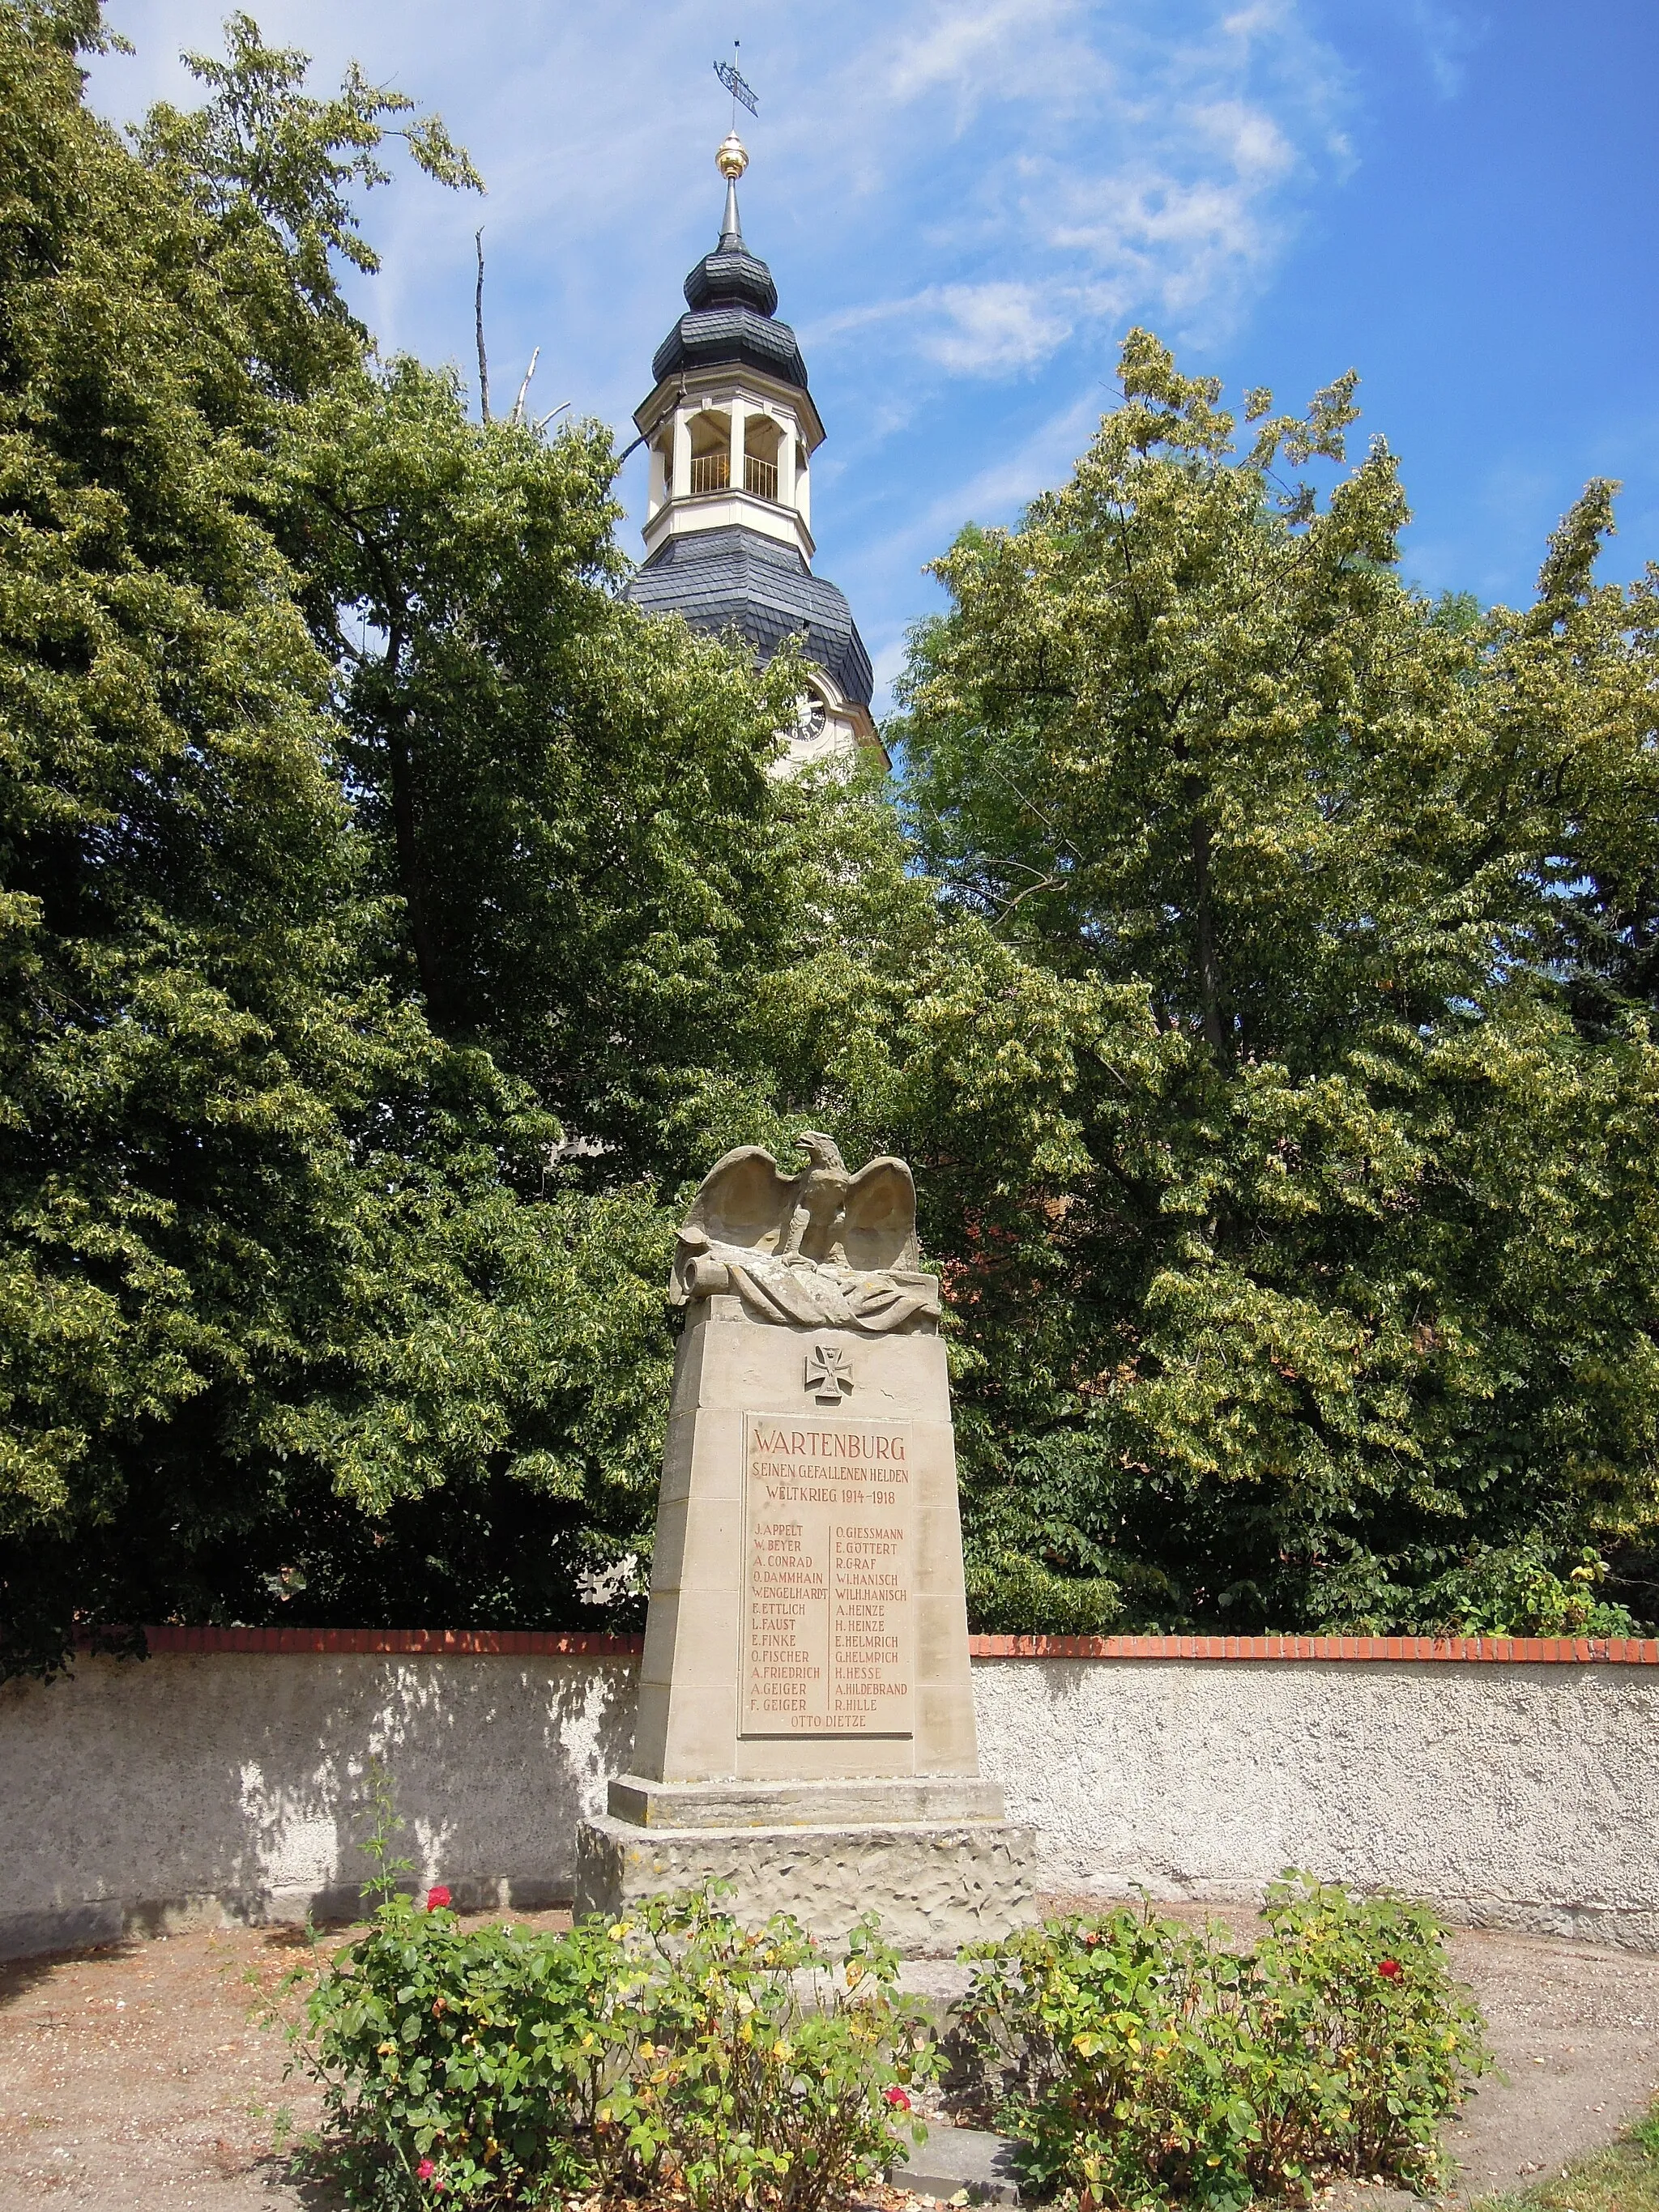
(731, 430)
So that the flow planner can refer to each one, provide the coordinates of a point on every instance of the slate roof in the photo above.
(719, 337)
(732, 273)
(732, 302)
(735, 577)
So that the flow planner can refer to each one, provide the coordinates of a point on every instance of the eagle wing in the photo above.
(744, 1199)
(877, 1228)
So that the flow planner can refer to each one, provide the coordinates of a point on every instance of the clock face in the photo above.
(813, 713)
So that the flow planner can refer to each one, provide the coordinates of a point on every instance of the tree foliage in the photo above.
(301, 1291)
(1346, 1313)
(394, 924)
(573, 805)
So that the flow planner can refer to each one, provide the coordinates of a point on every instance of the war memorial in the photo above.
(806, 1727)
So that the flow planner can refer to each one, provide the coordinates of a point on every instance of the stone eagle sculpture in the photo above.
(820, 1249)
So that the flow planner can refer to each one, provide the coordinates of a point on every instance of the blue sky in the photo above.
(965, 206)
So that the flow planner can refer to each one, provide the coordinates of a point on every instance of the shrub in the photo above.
(672, 2050)
(1142, 2063)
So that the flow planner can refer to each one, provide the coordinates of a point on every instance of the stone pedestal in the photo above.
(935, 1885)
(807, 1617)
(931, 1853)
(806, 1726)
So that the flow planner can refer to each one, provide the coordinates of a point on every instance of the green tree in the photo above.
(1349, 1318)
(181, 1022)
(300, 1305)
(574, 805)
(395, 924)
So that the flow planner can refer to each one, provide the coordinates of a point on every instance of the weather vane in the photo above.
(728, 74)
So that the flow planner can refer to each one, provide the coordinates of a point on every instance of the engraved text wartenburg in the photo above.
(828, 1529)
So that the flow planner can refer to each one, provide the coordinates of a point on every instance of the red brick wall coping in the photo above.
(1556, 1650)
(579, 1643)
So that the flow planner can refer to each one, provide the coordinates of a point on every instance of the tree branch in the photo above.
(1209, 976)
(517, 415)
(401, 764)
(478, 320)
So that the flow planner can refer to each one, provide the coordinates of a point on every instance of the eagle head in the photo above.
(823, 1152)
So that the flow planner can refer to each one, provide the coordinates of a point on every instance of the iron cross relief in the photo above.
(828, 1374)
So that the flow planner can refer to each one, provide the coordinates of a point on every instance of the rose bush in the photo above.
(674, 2054)
(674, 2051)
(1142, 2063)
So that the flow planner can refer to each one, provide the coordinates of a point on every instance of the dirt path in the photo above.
(1575, 2031)
(133, 2075)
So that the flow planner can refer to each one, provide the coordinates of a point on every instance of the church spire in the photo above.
(731, 161)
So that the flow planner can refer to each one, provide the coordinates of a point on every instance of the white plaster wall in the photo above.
(1509, 1794)
(139, 1797)
(179, 1788)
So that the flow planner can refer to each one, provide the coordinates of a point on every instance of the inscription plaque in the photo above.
(829, 1526)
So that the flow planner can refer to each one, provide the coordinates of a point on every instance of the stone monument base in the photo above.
(936, 1883)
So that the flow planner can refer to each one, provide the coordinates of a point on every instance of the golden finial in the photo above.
(733, 158)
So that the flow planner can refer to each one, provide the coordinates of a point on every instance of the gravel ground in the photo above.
(134, 2076)
(1575, 2031)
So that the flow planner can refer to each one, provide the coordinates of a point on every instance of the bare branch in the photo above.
(477, 319)
(1048, 821)
(517, 415)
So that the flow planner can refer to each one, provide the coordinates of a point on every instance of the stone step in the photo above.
(868, 1800)
(953, 2159)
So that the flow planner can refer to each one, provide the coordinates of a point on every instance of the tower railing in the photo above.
(713, 472)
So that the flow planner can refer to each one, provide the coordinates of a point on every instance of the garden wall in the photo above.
(1514, 1782)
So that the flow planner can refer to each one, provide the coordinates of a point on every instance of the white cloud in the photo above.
(1448, 36)
(964, 201)
(997, 50)
(1247, 138)
(993, 329)
(1126, 160)
(997, 492)
(1011, 478)
(990, 329)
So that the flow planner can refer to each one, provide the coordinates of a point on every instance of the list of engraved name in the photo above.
(828, 1524)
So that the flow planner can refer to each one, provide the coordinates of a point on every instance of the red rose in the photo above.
(896, 2098)
(1390, 1969)
(425, 2170)
(436, 1896)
